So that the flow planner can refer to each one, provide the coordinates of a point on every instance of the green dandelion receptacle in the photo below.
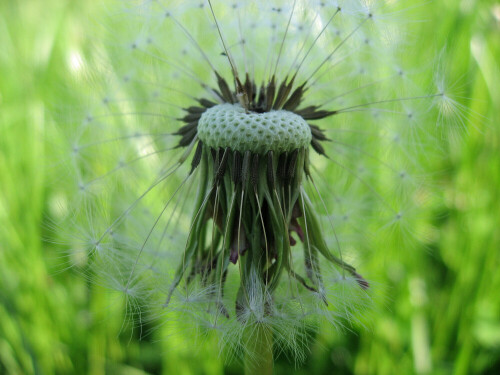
(235, 161)
(229, 126)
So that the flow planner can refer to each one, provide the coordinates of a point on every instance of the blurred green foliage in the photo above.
(442, 311)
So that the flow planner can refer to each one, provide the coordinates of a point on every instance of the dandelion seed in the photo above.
(250, 142)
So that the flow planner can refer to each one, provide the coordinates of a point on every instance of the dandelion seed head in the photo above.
(235, 160)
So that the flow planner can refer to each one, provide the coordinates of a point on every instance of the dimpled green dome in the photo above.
(227, 125)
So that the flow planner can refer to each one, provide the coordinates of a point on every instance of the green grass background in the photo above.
(443, 314)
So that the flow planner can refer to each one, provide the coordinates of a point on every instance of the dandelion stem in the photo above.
(259, 351)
